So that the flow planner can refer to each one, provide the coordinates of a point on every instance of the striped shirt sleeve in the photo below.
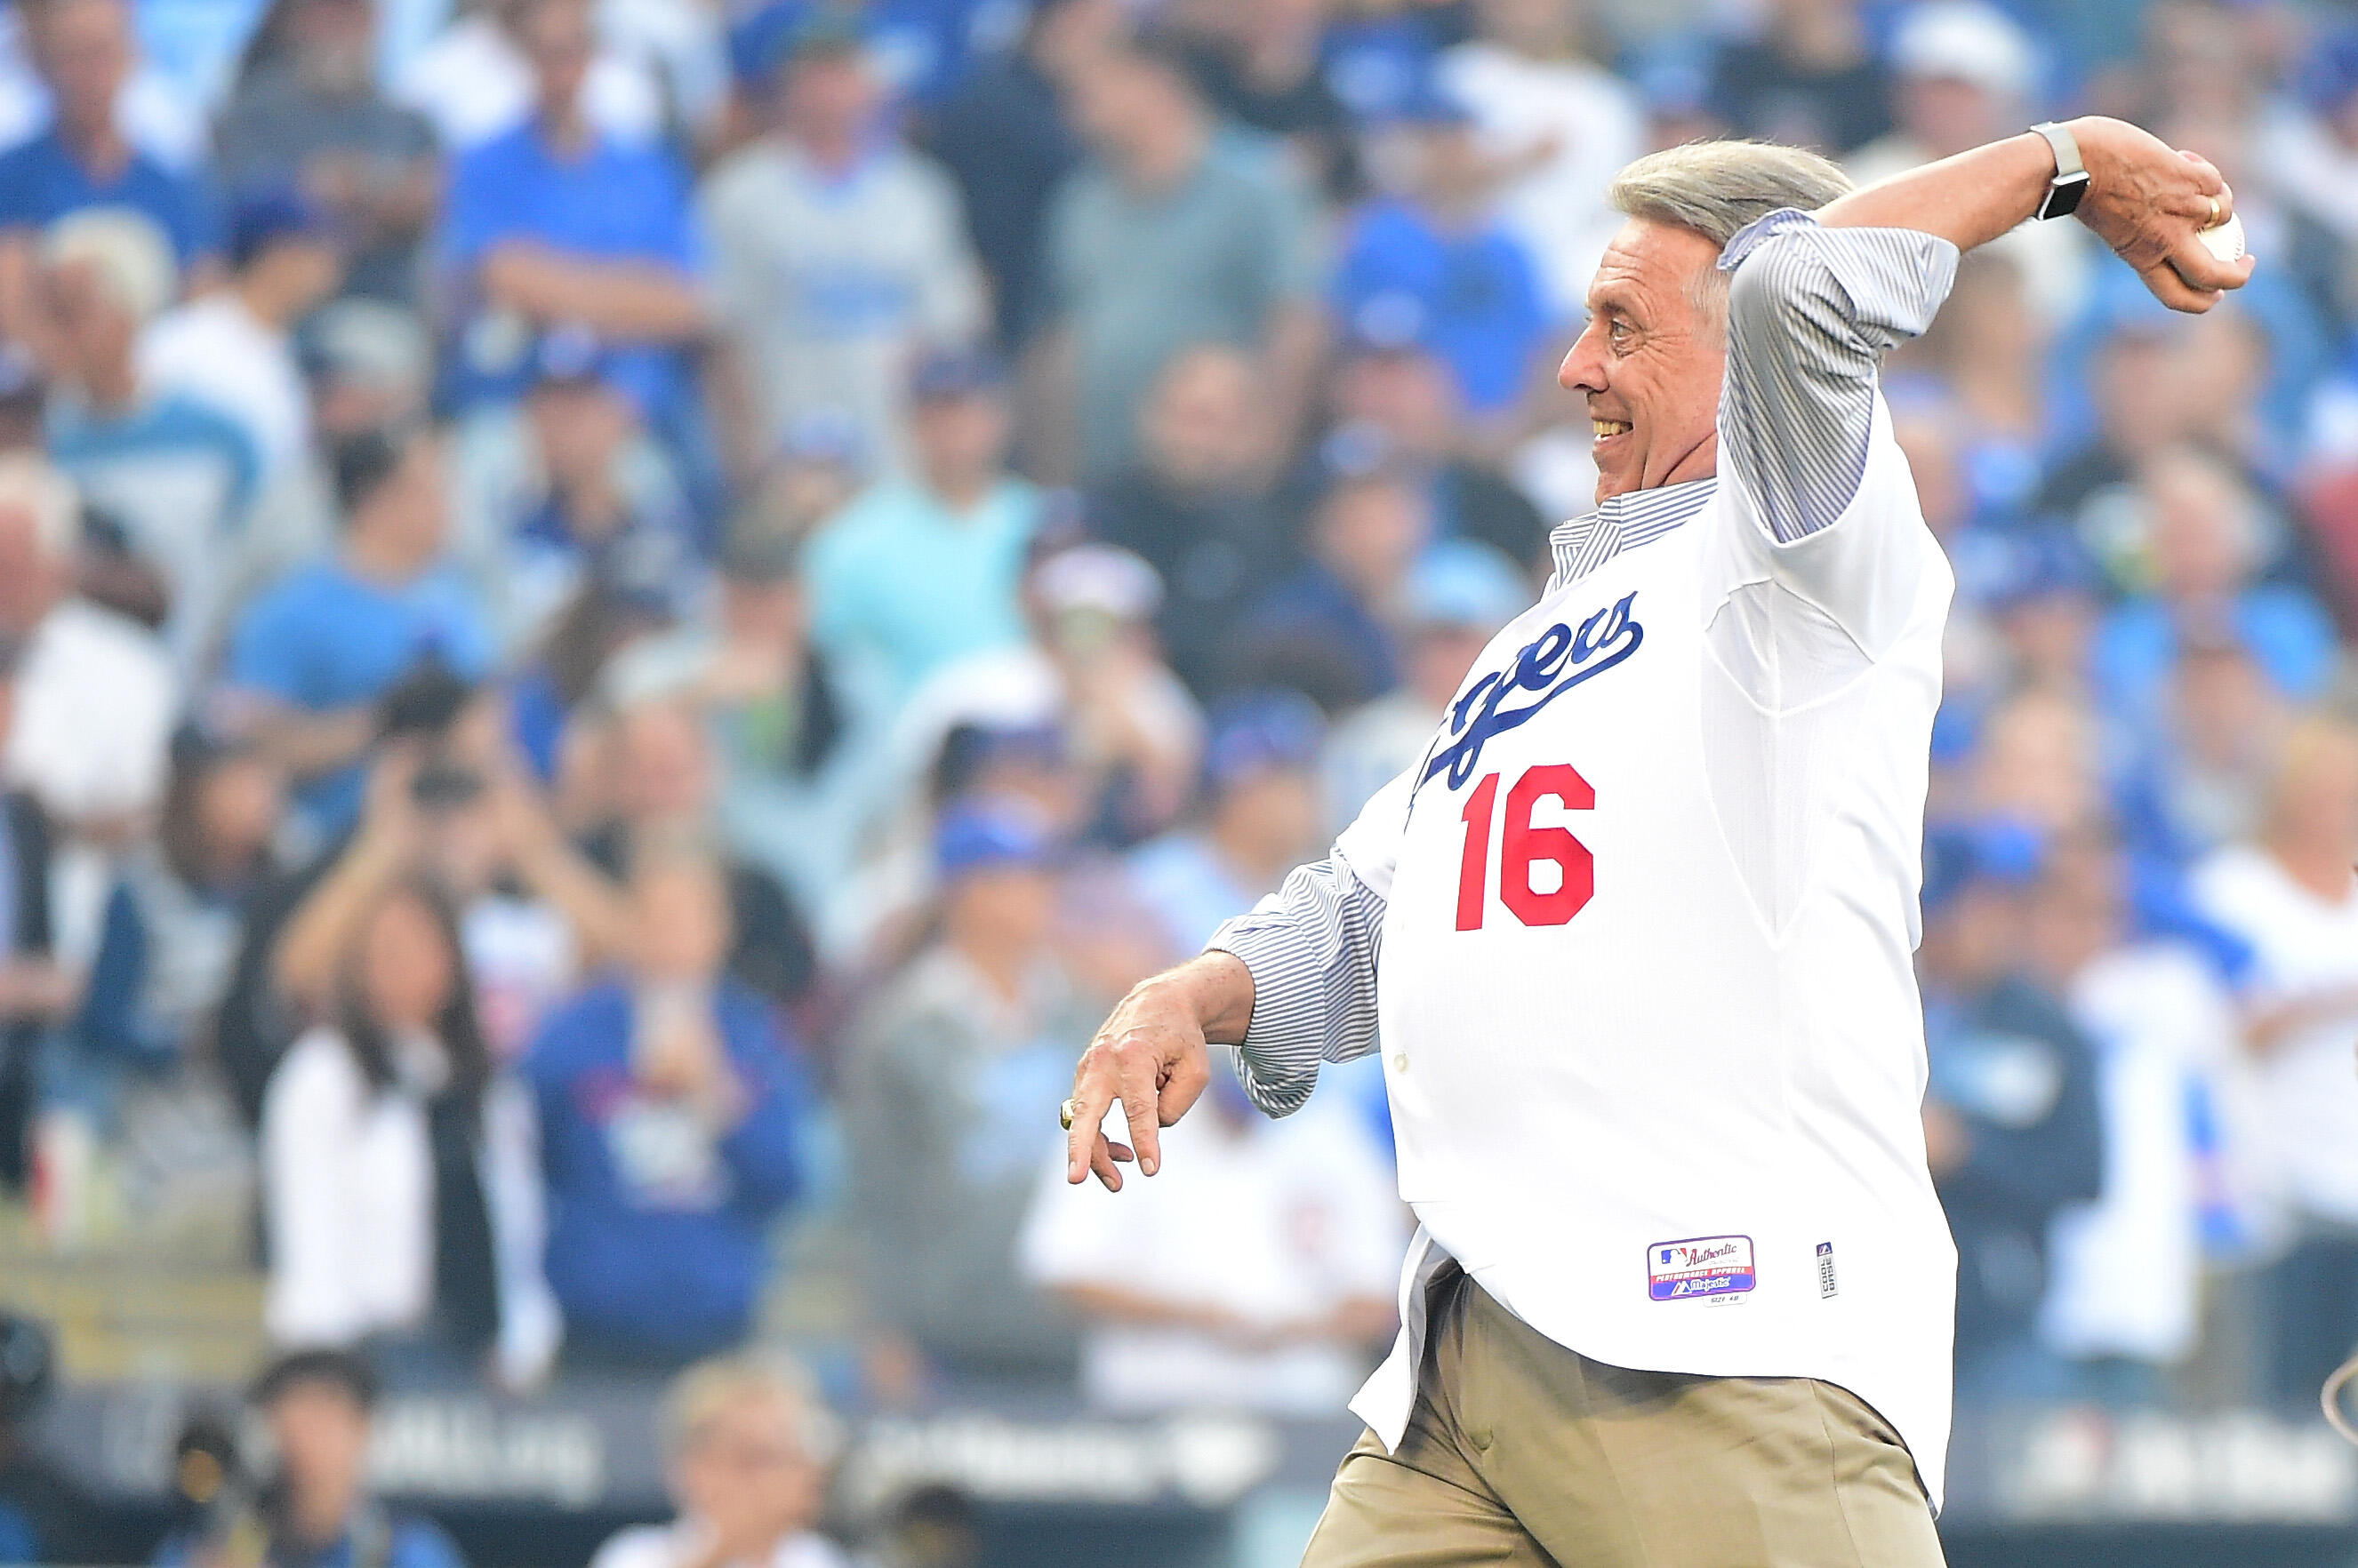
(1311, 946)
(1810, 312)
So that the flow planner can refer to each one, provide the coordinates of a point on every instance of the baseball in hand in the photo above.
(2225, 240)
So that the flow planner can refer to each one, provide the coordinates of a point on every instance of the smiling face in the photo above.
(1650, 360)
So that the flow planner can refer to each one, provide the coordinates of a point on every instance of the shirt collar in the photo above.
(1623, 523)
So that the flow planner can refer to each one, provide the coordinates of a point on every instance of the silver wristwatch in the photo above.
(2070, 182)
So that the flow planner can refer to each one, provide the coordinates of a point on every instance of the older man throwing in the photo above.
(1635, 936)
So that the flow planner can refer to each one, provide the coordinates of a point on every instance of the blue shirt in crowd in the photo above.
(324, 639)
(656, 1226)
(617, 202)
(2285, 631)
(1475, 294)
(41, 182)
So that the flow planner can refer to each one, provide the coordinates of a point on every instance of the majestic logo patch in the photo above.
(1550, 664)
(1700, 1266)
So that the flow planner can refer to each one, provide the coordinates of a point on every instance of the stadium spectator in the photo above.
(1329, 628)
(175, 476)
(952, 1071)
(2206, 545)
(1263, 813)
(2126, 1270)
(44, 1512)
(311, 116)
(1984, 361)
(171, 925)
(318, 1406)
(1006, 139)
(96, 694)
(657, 768)
(747, 1445)
(447, 804)
(401, 1203)
(1436, 256)
(1260, 68)
(672, 1128)
(1167, 237)
(559, 221)
(1396, 405)
(1257, 1272)
(1127, 734)
(312, 655)
(2136, 375)
(1964, 74)
(1558, 123)
(35, 990)
(1459, 594)
(2292, 895)
(1199, 508)
(921, 570)
(604, 507)
(2035, 763)
(1811, 78)
(83, 159)
(788, 768)
(2198, 779)
(233, 350)
(839, 255)
(2012, 1127)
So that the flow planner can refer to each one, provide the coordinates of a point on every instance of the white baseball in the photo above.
(2225, 240)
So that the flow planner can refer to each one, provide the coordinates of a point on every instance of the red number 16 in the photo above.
(1524, 846)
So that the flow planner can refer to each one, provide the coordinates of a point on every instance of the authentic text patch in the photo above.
(1700, 1266)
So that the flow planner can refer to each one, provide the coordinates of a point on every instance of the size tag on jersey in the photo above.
(1700, 1266)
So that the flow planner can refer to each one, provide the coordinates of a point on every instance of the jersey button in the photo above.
(1400, 1061)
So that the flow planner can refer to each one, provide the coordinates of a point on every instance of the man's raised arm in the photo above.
(1815, 300)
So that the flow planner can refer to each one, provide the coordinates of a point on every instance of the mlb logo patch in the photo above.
(1700, 1266)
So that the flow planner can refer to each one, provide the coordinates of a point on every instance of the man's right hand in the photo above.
(2147, 200)
(1151, 1058)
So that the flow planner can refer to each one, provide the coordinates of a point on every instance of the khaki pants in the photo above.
(1523, 1453)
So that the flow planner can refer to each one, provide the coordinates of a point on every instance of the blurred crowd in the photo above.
(622, 618)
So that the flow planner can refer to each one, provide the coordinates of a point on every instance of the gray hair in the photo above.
(1715, 189)
(704, 1391)
(125, 248)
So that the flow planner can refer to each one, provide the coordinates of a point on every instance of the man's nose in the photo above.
(1584, 366)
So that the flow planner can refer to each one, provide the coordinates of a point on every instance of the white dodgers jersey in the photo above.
(1648, 1016)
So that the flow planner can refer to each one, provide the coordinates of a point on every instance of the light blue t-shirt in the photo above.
(900, 584)
(324, 639)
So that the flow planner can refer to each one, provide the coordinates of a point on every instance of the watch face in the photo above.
(2063, 196)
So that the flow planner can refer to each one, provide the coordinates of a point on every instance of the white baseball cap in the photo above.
(1965, 40)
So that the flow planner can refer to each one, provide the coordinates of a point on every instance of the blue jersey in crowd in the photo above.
(1477, 295)
(617, 202)
(324, 639)
(41, 182)
(656, 1226)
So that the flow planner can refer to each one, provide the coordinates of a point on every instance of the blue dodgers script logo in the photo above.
(1700, 1266)
(1552, 664)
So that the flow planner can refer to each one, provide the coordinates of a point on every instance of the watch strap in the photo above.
(2070, 182)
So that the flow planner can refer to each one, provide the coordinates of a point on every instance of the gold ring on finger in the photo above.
(2215, 214)
(1065, 1116)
